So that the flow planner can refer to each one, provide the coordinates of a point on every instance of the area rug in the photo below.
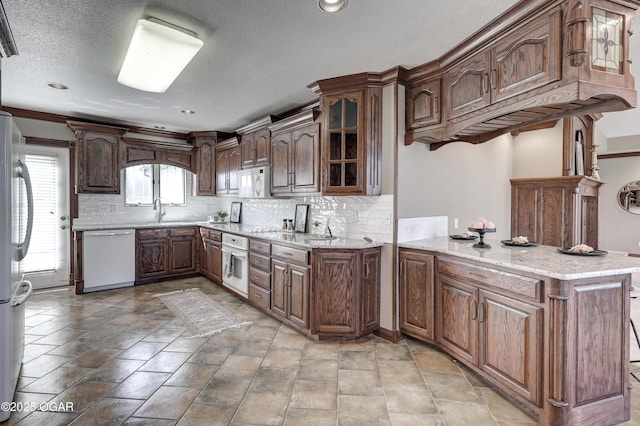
(202, 315)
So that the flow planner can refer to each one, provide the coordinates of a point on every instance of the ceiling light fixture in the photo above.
(58, 86)
(157, 54)
(188, 111)
(332, 5)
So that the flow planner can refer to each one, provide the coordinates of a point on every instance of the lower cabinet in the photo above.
(211, 254)
(290, 282)
(260, 274)
(346, 293)
(416, 293)
(165, 253)
(500, 335)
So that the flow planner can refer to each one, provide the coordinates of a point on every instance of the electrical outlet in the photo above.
(455, 223)
(387, 219)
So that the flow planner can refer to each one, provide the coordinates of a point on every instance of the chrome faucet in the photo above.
(157, 205)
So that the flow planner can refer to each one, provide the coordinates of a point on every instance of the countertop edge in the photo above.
(426, 245)
(271, 236)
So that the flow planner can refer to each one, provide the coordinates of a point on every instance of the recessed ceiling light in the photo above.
(159, 127)
(332, 5)
(188, 111)
(58, 86)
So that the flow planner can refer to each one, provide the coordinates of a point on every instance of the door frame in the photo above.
(73, 197)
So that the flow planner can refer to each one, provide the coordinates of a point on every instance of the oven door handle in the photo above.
(241, 255)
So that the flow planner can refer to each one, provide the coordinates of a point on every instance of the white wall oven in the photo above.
(235, 263)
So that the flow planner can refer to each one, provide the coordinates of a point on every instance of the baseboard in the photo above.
(390, 335)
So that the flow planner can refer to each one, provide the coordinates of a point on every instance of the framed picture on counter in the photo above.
(236, 208)
(301, 222)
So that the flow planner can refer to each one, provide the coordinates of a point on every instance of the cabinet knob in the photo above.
(630, 32)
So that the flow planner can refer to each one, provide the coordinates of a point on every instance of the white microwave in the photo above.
(255, 182)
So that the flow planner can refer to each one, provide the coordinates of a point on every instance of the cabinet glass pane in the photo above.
(351, 145)
(335, 115)
(335, 175)
(351, 174)
(351, 113)
(607, 41)
(335, 146)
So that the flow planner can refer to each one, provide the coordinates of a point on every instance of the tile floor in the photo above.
(121, 357)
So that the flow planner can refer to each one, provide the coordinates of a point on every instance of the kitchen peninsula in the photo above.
(550, 330)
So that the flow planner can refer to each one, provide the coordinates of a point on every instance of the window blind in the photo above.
(43, 252)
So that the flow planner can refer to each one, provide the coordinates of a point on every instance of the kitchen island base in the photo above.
(557, 347)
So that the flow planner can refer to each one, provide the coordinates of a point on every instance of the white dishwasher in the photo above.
(108, 259)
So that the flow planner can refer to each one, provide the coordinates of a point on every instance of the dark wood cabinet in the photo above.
(416, 294)
(480, 327)
(295, 155)
(97, 157)
(255, 143)
(204, 183)
(536, 63)
(529, 58)
(346, 293)
(228, 164)
(165, 253)
(134, 152)
(424, 103)
(260, 274)
(211, 254)
(351, 145)
(468, 85)
(290, 285)
(560, 212)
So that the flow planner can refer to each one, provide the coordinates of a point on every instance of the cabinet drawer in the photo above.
(260, 278)
(182, 232)
(215, 235)
(290, 254)
(153, 234)
(529, 287)
(261, 247)
(260, 262)
(259, 297)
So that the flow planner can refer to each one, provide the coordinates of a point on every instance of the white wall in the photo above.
(618, 229)
(459, 180)
(538, 153)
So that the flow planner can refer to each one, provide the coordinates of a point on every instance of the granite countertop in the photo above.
(542, 260)
(273, 235)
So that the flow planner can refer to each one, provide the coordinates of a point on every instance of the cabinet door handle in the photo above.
(474, 310)
(435, 104)
(402, 268)
(494, 74)
(318, 270)
(481, 312)
(366, 271)
(485, 82)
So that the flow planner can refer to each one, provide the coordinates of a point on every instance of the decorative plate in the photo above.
(511, 243)
(462, 237)
(575, 253)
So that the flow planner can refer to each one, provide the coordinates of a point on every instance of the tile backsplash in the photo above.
(351, 217)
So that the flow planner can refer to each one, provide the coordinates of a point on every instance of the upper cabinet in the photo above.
(295, 155)
(255, 143)
(97, 157)
(205, 160)
(538, 62)
(228, 164)
(143, 151)
(351, 145)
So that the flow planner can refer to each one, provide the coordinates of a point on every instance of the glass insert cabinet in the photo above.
(352, 139)
(345, 148)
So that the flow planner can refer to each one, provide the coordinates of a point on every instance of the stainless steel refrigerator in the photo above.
(16, 221)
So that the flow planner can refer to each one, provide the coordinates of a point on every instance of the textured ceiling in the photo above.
(258, 55)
